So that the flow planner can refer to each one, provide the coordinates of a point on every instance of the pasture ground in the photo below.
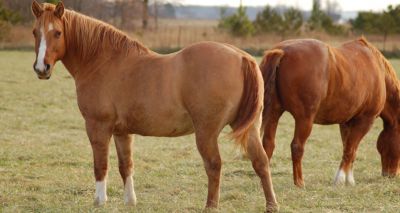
(46, 160)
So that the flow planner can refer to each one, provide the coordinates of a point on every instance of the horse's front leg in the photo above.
(123, 144)
(99, 134)
(352, 133)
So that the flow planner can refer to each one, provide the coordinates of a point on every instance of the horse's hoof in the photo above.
(272, 207)
(210, 209)
(130, 199)
(340, 178)
(130, 202)
(99, 202)
(299, 184)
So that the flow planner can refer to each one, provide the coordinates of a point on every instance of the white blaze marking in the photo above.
(129, 192)
(50, 27)
(42, 52)
(101, 192)
(340, 177)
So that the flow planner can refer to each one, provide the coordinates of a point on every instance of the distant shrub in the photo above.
(7, 17)
(270, 21)
(237, 24)
(321, 21)
(52, 1)
(5, 28)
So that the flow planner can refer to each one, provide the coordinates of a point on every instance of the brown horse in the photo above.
(124, 88)
(350, 85)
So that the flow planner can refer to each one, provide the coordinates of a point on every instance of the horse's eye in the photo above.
(57, 34)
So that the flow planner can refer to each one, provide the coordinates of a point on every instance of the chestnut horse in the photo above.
(124, 88)
(350, 85)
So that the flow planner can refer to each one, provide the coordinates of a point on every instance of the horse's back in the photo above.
(334, 84)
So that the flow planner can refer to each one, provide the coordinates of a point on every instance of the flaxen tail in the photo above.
(269, 66)
(251, 103)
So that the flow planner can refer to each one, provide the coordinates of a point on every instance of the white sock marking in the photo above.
(129, 192)
(350, 178)
(340, 177)
(101, 192)
(42, 52)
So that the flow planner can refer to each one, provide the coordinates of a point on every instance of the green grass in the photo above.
(46, 160)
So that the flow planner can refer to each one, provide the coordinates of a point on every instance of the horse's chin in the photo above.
(47, 77)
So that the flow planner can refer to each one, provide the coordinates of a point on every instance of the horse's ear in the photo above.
(37, 9)
(59, 11)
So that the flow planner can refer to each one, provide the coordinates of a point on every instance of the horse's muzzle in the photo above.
(43, 74)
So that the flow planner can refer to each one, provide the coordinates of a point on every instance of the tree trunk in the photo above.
(156, 14)
(385, 34)
(145, 14)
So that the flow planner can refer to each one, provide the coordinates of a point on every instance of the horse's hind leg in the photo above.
(206, 140)
(303, 126)
(123, 143)
(352, 133)
(271, 117)
(99, 134)
(260, 162)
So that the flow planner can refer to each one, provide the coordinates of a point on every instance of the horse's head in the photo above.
(389, 148)
(49, 37)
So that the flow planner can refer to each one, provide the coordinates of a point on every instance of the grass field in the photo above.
(46, 161)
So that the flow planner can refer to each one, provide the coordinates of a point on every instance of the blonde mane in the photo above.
(89, 37)
(389, 69)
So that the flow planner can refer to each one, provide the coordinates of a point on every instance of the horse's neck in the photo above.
(70, 64)
(391, 112)
(79, 67)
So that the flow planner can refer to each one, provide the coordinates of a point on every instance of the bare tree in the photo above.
(333, 9)
(145, 14)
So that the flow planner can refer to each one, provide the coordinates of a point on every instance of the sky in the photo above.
(345, 5)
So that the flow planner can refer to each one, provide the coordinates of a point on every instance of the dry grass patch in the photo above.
(46, 161)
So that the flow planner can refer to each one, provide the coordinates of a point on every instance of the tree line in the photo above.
(135, 14)
(292, 21)
(125, 14)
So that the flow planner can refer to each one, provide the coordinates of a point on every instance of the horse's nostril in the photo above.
(47, 67)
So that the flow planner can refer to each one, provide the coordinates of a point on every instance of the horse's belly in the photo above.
(345, 111)
(331, 118)
(161, 125)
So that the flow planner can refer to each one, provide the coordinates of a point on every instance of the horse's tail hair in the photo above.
(251, 103)
(269, 66)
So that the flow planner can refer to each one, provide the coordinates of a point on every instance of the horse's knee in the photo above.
(260, 167)
(213, 165)
(268, 142)
(297, 150)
